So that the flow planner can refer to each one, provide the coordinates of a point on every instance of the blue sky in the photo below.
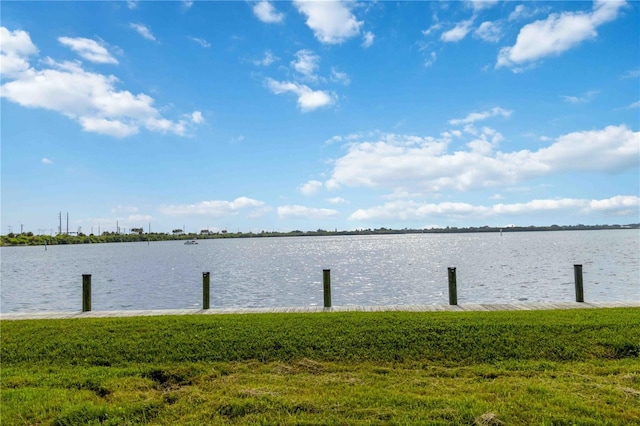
(302, 115)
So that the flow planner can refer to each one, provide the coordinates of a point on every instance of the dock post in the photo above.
(86, 292)
(205, 290)
(577, 272)
(326, 280)
(453, 290)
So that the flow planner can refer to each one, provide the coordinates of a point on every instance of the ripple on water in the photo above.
(365, 270)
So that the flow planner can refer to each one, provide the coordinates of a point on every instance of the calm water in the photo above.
(365, 270)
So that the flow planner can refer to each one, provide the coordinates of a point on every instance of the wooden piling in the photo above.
(577, 273)
(86, 292)
(326, 280)
(205, 290)
(453, 290)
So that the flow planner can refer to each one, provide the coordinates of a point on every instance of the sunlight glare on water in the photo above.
(365, 270)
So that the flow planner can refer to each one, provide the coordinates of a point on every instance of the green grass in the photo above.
(521, 367)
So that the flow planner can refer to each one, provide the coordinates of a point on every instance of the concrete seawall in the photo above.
(477, 307)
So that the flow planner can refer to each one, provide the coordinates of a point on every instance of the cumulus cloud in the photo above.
(267, 13)
(556, 34)
(46, 161)
(337, 200)
(196, 117)
(367, 39)
(216, 208)
(411, 210)
(477, 116)
(519, 11)
(91, 99)
(331, 21)
(306, 64)
(143, 30)
(489, 31)
(458, 32)
(89, 49)
(310, 188)
(15, 49)
(268, 59)
(296, 211)
(308, 99)
(478, 5)
(398, 162)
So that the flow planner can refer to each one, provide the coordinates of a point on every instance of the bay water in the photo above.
(372, 270)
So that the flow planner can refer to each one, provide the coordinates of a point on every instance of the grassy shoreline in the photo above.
(517, 367)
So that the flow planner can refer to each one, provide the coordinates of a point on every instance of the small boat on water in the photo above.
(190, 243)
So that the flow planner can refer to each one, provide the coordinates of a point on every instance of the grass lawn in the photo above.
(485, 368)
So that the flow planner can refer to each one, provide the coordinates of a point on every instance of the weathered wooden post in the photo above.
(326, 280)
(453, 290)
(205, 290)
(577, 273)
(86, 292)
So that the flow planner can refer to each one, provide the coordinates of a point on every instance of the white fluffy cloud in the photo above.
(306, 64)
(331, 21)
(296, 211)
(310, 188)
(265, 12)
(458, 32)
(477, 5)
(15, 49)
(89, 49)
(477, 116)
(556, 34)
(308, 99)
(216, 208)
(268, 59)
(489, 31)
(411, 210)
(337, 200)
(143, 30)
(420, 165)
(368, 38)
(197, 118)
(90, 98)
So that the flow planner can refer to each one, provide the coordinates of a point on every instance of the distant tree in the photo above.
(177, 232)
(138, 231)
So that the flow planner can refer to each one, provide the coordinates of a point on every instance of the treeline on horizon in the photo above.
(137, 234)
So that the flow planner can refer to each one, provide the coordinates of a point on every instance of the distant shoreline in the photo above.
(29, 239)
